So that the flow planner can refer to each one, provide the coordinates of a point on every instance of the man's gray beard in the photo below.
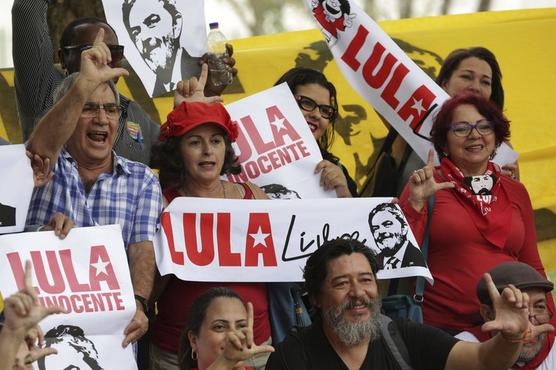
(528, 353)
(352, 333)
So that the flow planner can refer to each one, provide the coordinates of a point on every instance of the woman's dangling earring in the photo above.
(193, 354)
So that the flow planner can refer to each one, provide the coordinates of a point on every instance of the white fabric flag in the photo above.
(203, 239)
(87, 273)
(276, 148)
(16, 189)
(163, 40)
(383, 74)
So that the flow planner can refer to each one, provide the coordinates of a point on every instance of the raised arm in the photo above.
(34, 72)
(57, 126)
(513, 327)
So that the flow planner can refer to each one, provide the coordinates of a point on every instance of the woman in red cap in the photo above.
(194, 151)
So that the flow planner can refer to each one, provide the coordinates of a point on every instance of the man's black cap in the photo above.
(520, 274)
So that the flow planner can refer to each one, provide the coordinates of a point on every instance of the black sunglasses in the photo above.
(309, 105)
(116, 51)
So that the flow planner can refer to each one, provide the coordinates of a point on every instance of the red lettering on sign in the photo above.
(377, 79)
(67, 263)
(204, 256)
(260, 145)
(256, 243)
(286, 129)
(166, 223)
(99, 254)
(349, 56)
(393, 85)
(417, 106)
(225, 255)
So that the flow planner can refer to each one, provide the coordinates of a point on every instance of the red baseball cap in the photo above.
(186, 116)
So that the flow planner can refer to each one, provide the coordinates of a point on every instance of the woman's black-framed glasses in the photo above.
(309, 105)
(116, 51)
(463, 129)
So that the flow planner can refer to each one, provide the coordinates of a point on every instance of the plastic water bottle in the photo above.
(220, 74)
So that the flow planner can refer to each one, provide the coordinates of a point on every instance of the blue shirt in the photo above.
(130, 196)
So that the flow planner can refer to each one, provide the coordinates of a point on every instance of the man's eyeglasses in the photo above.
(541, 316)
(309, 105)
(463, 129)
(116, 51)
(90, 110)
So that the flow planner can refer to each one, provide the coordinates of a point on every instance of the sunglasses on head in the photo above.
(116, 51)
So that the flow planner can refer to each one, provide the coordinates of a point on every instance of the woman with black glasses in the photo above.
(316, 97)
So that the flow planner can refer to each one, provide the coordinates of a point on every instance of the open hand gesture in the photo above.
(23, 310)
(511, 308)
(192, 90)
(239, 346)
(422, 184)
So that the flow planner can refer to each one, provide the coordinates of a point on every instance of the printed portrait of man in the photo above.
(278, 191)
(7, 215)
(155, 27)
(481, 185)
(75, 351)
(389, 229)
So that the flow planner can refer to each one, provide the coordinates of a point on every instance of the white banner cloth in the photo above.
(203, 239)
(16, 188)
(275, 145)
(384, 75)
(87, 273)
(151, 31)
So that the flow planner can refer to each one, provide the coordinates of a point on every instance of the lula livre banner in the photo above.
(203, 239)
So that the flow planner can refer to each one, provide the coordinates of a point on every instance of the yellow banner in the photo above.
(523, 42)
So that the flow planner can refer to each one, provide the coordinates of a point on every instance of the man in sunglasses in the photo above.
(536, 353)
(36, 76)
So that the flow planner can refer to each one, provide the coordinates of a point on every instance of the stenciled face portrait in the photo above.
(155, 32)
(224, 314)
(482, 184)
(388, 232)
(203, 150)
(75, 351)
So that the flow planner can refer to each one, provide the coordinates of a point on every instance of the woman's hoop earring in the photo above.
(193, 354)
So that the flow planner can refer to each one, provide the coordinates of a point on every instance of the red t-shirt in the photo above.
(176, 300)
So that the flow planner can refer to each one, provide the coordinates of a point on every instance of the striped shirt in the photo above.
(130, 196)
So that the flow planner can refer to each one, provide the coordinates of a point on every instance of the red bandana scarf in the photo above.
(489, 210)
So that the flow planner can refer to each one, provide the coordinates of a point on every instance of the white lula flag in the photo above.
(16, 188)
(87, 274)
(204, 239)
(163, 40)
(383, 74)
(276, 148)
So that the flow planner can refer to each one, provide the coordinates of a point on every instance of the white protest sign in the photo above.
(16, 188)
(384, 75)
(275, 146)
(87, 273)
(163, 40)
(203, 239)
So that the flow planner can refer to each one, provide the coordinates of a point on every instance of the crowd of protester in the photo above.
(90, 170)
